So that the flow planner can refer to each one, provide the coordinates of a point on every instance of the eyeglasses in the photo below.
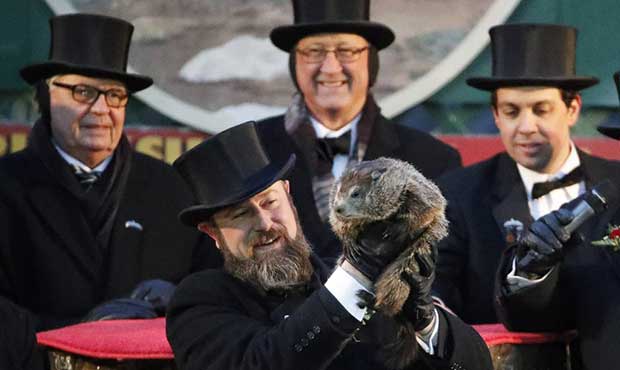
(317, 55)
(116, 98)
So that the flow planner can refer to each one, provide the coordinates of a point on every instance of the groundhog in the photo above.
(390, 189)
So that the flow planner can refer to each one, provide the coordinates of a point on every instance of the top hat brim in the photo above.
(196, 214)
(613, 131)
(285, 37)
(569, 83)
(37, 72)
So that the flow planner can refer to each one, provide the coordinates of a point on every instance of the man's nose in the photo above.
(528, 123)
(331, 64)
(263, 220)
(100, 106)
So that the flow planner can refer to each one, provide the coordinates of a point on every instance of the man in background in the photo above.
(569, 281)
(89, 225)
(535, 102)
(333, 119)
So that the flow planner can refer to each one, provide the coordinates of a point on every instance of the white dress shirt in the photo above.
(75, 162)
(549, 202)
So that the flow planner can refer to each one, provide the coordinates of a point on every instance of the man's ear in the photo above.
(287, 186)
(573, 110)
(208, 229)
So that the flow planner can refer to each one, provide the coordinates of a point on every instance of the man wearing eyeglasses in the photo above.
(333, 119)
(89, 225)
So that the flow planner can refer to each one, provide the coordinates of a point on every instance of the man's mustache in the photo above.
(262, 237)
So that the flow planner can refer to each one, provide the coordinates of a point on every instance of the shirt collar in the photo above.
(323, 132)
(530, 177)
(75, 162)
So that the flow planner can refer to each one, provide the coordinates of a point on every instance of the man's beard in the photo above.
(281, 269)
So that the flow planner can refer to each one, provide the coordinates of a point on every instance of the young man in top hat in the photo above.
(274, 305)
(87, 219)
(535, 102)
(333, 118)
(580, 284)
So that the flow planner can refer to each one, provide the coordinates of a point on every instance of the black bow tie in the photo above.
(328, 148)
(542, 188)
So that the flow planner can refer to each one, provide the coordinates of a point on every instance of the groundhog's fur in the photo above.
(385, 189)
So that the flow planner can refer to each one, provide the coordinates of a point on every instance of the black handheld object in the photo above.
(592, 202)
(542, 247)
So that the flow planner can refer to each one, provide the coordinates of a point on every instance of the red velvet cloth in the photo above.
(494, 334)
(146, 339)
(113, 339)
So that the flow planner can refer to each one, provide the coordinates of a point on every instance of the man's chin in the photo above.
(283, 265)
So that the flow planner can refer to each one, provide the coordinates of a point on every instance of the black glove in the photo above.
(121, 308)
(419, 308)
(157, 292)
(376, 247)
(543, 246)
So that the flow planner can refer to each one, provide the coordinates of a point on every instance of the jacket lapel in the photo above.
(74, 234)
(126, 252)
(596, 170)
(383, 140)
(508, 196)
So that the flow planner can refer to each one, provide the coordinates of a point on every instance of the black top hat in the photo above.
(90, 45)
(612, 130)
(533, 55)
(226, 169)
(329, 16)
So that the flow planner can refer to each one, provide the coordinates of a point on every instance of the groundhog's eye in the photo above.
(355, 193)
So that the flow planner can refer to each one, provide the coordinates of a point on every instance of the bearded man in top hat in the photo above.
(274, 304)
(535, 101)
(580, 277)
(333, 119)
(87, 219)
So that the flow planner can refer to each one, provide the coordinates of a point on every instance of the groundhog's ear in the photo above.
(376, 174)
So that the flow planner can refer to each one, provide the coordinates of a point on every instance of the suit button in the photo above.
(304, 342)
(298, 348)
(316, 330)
(336, 319)
(310, 335)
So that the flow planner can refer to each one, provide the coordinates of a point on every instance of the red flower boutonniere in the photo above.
(612, 239)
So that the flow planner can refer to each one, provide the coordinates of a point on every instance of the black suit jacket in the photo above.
(480, 199)
(50, 264)
(216, 321)
(428, 154)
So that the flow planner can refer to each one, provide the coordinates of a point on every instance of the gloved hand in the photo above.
(419, 308)
(543, 246)
(376, 247)
(157, 292)
(121, 308)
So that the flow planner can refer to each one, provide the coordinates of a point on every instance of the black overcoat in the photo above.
(50, 263)
(215, 321)
(17, 339)
(480, 199)
(387, 139)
